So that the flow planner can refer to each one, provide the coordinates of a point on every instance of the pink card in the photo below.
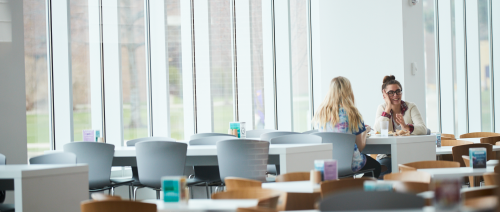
(88, 135)
(330, 170)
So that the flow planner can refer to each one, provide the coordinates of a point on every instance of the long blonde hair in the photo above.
(339, 95)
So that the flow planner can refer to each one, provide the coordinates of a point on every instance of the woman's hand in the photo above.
(388, 104)
(368, 128)
(400, 120)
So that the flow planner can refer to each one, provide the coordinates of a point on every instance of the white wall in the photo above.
(366, 49)
(13, 142)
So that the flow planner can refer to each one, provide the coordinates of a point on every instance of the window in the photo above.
(257, 64)
(430, 66)
(484, 52)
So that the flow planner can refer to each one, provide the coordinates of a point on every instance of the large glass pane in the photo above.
(133, 68)
(37, 88)
(484, 51)
(430, 66)
(221, 64)
(79, 25)
(300, 73)
(173, 21)
(257, 63)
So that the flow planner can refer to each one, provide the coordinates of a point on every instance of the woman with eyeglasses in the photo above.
(400, 114)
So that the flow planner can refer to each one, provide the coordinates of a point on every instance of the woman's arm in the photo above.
(419, 127)
(361, 140)
(379, 118)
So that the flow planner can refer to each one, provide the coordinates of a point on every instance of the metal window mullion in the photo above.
(438, 80)
(473, 66)
(461, 68)
(234, 58)
(188, 68)
(310, 62)
(147, 24)
(492, 74)
(50, 74)
(269, 64)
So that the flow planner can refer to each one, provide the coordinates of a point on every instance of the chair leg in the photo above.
(191, 192)
(109, 191)
(112, 191)
(130, 187)
(206, 188)
(157, 194)
(135, 193)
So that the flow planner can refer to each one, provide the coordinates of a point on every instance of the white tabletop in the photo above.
(475, 140)
(457, 172)
(24, 170)
(204, 205)
(446, 150)
(424, 209)
(295, 186)
(378, 139)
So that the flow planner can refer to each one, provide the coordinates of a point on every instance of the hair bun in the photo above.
(389, 78)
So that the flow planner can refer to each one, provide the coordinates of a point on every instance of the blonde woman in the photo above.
(338, 113)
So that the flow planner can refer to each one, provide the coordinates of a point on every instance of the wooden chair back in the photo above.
(448, 136)
(116, 206)
(490, 140)
(455, 142)
(267, 198)
(458, 151)
(479, 135)
(432, 164)
(409, 176)
(479, 192)
(234, 183)
(293, 176)
(334, 186)
(490, 179)
(101, 197)
(256, 209)
(411, 187)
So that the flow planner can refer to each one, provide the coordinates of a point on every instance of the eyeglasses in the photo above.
(397, 92)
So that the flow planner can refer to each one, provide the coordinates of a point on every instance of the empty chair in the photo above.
(203, 135)
(293, 176)
(479, 134)
(156, 159)
(268, 136)
(310, 131)
(99, 157)
(490, 179)
(453, 142)
(458, 151)
(342, 151)
(54, 158)
(243, 158)
(234, 183)
(381, 200)
(427, 165)
(334, 186)
(209, 140)
(258, 133)
(449, 136)
(490, 140)
(297, 139)
(116, 206)
(409, 176)
(134, 141)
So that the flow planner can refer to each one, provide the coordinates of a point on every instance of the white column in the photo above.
(318, 88)
(187, 69)
(473, 66)
(283, 64)
(244, 59)
(268, 64)
(461, 73)
(112, 74)
(495, 67)
(159, 70)
(95, 64)
(446, 68)
(61, 61)
(204, 115)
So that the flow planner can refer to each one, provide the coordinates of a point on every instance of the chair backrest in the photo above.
(479, 134)
(411, 187)
(204, 135)
(342, 151)
(116, 206)
(297, 139)
(267, 198)
(293, 176)
(98, 156)
(380, 200)
(235, 183)
(428, 165)
(444, 135)
(310, 132)
(334, 186)
(54, 158)
(102, 197)
(134, 141)
(258, 133)
(478, 192)
(490, 140)
(490, 179)
(268, 136)
(453, 142)
(409, 176)
(3, 160)
(458, 151)
(243, 158)
(156, 159)
(212, 140)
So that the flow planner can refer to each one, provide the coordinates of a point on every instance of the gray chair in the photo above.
(212, 140)
(5, 207)
(243, 158)
(297, 139)
(342, 151)
(373, 200)
(99, 157)
(310, 131)
(258, 133)
(156, 159)
(268, 136)
(203, 135)
(137, 140)
(54, 158)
